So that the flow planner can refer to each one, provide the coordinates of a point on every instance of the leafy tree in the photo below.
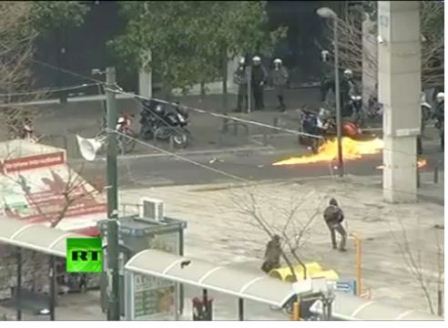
(48, 15)
(21, 23)
(191, 40)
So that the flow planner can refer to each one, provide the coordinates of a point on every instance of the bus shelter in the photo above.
(39, 238)
(163, 270)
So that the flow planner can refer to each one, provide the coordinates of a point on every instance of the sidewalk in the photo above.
(217, 231)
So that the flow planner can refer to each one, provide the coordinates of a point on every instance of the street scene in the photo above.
(248, 161)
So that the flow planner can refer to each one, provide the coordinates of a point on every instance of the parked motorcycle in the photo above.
(164, 122)
(323, 125)
(309, 125)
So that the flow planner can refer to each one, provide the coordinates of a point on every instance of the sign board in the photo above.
(153, 298)
(348, 287)
(26, 194)
(33, 162)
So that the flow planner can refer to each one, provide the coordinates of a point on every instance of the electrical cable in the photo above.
(202, 111)
(49, 90)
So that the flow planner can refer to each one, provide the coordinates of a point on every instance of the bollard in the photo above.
(275, 123)
(436, 174)
(225, 123)
(235, 128)
(265, 139)
(418, 178)
(171, 144)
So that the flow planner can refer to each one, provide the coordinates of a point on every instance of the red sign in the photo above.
(33, 162)
(53, 193)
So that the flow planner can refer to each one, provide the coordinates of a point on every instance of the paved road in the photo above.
(156, 170)
(64, 121)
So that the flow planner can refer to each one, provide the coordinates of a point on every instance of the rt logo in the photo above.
(84, 255)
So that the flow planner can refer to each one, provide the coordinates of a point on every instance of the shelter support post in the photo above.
(240, 309)
(19, 284)
(52, 288)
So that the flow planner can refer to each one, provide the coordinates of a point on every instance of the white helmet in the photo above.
(440, 97)
(242, 61)
(348, 72)
(324, 55)
(256, 59)
(277, 61)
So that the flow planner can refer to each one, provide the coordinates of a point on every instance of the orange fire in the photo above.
(352, 149)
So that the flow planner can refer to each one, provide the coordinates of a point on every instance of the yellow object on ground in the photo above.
(313, 269)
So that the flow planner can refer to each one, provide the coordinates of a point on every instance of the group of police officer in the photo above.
(257, 78)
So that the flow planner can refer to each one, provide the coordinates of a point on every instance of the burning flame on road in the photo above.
(421, 162)
(351, 149)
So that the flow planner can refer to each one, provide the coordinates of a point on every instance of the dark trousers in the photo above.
(325, 86)
(258, 96)
(280, 96)
(419, 145)
(242, 96)
(337, 227)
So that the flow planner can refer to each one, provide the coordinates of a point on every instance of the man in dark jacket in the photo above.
(259, 77)
(240, 79)
(347, 89)
(327, 75)
(272, 254)
(279, 76)
(334, 216)
(440, 117)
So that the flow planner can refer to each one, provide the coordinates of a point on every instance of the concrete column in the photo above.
(399, 91)
(145, 76)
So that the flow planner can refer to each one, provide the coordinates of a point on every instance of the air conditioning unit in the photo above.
(151, 208)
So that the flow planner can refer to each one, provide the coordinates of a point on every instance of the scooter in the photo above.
(324, 127)
(165, 122)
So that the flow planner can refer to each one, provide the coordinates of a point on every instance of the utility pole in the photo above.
(113, 301)
(338, 99)
(327, 13)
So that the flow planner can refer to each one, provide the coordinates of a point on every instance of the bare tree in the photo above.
(422, 271)
(288, 219)
(17, 36)
(352, 50)
(71, 189)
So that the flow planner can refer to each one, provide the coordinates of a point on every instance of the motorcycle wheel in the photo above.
(180, 139)
(147, 134)
(163, 133)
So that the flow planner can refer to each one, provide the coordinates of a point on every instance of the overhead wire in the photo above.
(119, 90)
(48, 90)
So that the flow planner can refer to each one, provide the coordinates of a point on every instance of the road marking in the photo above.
(190, 153)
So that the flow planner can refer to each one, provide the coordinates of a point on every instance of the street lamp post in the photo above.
(327, 13)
